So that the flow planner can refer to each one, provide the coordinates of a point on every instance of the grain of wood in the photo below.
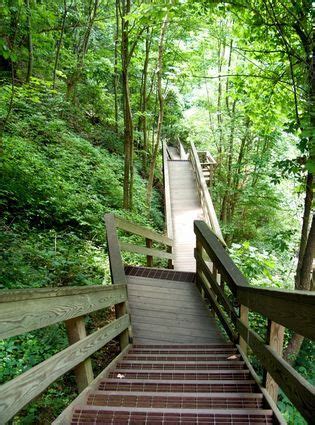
(18, 317)
(15, 394)
(175, 314)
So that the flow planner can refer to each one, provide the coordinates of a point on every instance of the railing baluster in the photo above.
(149, 244)
(83, 372)
(275, 338)
(244, 320)
(170, 262)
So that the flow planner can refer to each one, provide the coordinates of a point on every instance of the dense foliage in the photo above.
(88, 91)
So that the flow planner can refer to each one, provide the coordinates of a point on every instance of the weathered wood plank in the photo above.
(229, 330)
(216, 288)
(65, 417)
(20, 313)
(214, 248)
(124, 246)
(142, 231)
(297, 389)
(167, 194)
(275, 338)
(149, 244)
(83, 371)
(204, 193)
(294, 310)
(15, 394)
(115, 261)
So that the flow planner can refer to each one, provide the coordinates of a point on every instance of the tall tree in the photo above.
(161, 108)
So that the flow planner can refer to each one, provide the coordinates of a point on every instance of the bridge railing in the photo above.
(115, 246)
(204, 195)
(230, 296)
(23, 311)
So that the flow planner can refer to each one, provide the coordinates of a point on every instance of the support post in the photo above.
(149, 244)
(120, 310)
(83, 372)
(199, 252)
(244, 320)
(275, 338)
(170, 262)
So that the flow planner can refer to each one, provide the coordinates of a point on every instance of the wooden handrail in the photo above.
(291, 309)
(115, 247)
(167, 194)
(145, 232)
(205, 198)
(24, 310)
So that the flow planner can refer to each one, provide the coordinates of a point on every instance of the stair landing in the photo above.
(167, 311)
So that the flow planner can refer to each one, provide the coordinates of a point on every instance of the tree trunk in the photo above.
(75, 76)
(59, 42)
(116, 78)
(29, 42)
(305, 226)
(161, 109)
(144, 99)
(128, 121)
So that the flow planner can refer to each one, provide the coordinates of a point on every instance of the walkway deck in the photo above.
(186, 208)
(167, 311)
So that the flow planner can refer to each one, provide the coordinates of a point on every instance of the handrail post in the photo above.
(83, 372)
(149, 244)
(275, 338)
(198, 252)
(117, 273)
(170, 262)
(244, 320)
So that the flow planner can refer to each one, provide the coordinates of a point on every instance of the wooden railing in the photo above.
(222, 283)
(203, 191)
(26, 310)
(208, 165)
(167, 194)
(114, 246)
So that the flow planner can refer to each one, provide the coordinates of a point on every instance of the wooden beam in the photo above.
(244, 320)
(231, 334)
(167, 194)
(298, 390)
(216, 288)
(208, 204)
(142, 231)
(66, 416)
(145, 251)
(15, 394)
(214, 248)
(83, 371)
(116, 266)
(275, 338)
(149, 244)
(23, 311)
(294, 310)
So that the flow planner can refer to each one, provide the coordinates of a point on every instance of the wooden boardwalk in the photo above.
(185, 208)
(166, 311)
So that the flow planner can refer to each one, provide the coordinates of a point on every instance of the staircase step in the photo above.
(188, 365)
(121, 415)
(195, 386)
(202, 375)
(215, 350)
(183, 346)
(182, 357)
(177, 400)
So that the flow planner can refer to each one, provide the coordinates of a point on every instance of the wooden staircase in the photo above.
(176, 384)
(175, 366)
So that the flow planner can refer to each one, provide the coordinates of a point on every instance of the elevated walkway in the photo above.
(176, 365)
